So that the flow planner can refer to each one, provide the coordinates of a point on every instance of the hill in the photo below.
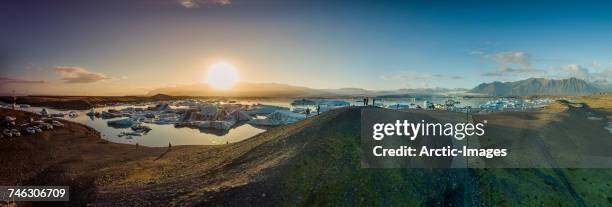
(317, 162)
(536, 86)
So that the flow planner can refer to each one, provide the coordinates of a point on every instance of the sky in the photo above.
(118, 47)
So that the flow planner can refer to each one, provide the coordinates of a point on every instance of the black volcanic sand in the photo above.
(312, 162)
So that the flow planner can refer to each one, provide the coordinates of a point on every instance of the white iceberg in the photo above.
(278, 118)
(122, 123)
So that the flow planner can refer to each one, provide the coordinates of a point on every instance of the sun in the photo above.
(222, 76)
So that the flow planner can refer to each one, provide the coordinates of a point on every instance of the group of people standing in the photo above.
(308, 110)
(366, 101)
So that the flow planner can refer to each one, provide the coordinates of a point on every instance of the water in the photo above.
(160, 135)
(464, 102)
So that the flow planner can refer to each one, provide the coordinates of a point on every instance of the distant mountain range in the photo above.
(528, 87)
(289, 91)
(538, 86)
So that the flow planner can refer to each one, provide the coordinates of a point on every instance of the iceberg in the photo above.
(44, 112)
(303, 102)
(241, 116)
(398, 106)
(278, 118)
(122, 123)
(109, 115)
(262, 109)
(223, 125)
(336, 103)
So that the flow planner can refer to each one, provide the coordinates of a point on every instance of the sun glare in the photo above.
(222, 76)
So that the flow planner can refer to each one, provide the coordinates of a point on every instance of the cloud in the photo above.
(409, 76)
(513, 63)
(192, 4)
(79, 75)
(504, 59)
(561, 72)
(575, 70)
(7, 80)
(581, 72)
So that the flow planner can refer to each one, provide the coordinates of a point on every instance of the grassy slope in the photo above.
(326, 171)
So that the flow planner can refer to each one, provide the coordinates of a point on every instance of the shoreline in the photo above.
(70, 155)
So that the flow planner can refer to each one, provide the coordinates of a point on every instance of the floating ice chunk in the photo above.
(594, 118)
(609, 127)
